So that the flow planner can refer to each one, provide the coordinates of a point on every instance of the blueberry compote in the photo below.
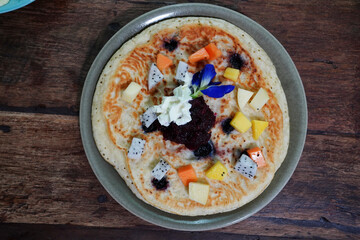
(205, 150)
(171, 45)
(236, 61)
(160, 184)
(195, 133)
(226, 127)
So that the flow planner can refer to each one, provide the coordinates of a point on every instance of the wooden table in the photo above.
(48, 189)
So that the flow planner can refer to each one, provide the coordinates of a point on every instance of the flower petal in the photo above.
(218, 91)
(196, 79)
(207, 74)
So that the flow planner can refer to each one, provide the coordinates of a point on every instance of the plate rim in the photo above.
(15, 6)
(196, 223)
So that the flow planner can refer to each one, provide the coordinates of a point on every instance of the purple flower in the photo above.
(202, 84)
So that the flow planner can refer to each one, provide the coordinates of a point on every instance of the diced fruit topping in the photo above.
(163, 62)
(187, 174)
(131, 92)
(153, 127)
(226, 127)
(199, 55)
(182, 74)
(258, 127)
(205, 150)
(243, 96)
(240, 122)
(259, 100)
(256, 155)
(218, 171)
(246, 167)
(148, 117)
(160, 169)
(199, 192)
(160, 184)
(232, 74)
(136, 148)
(213, 51)
(236, 61)
(171, 45)
(155, 76)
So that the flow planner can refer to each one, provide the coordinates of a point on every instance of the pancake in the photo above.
(116, 122)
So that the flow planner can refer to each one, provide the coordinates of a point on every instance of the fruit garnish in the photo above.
(236, 61)
(161, 184)
(256, 155)
(246, 167)
(131, 92)
(182, 74)
(258, 127)
(218, 171)
(136, 148)
(171, 45)
(187, 174)
(240, 122)
(148, 117)
(213, 51)
(199, 192)
(199, 55)
(163, 62)
(259, 100)
(226, 127)
(232, 74)
(202, 84)
(205, 150)
(243, 96)
(154, 77)
(160, 169)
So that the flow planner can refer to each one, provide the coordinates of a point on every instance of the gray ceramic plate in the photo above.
(291, 83)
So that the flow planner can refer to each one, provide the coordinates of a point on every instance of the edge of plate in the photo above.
(197, 223)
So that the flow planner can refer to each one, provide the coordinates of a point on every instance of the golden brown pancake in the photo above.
(116, 122)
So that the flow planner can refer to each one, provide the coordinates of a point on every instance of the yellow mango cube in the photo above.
(258, 127)
(218, 171)
(240, 122)
(232, 74)
(199, 192)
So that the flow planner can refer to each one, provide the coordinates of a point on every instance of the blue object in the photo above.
(14, 4)
(202, 84)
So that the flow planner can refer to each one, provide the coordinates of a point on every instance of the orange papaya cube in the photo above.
(257, 156)
(199, 55)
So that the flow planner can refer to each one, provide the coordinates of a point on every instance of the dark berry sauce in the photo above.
(195, 133)
(171, 45)
(226, 127)
(153, 127)
(205, 150)
(160, 184)
(236, 61)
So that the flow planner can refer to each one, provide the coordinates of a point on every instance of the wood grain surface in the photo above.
(47, 188)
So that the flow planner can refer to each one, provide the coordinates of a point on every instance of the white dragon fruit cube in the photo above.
(246, 166)
(182, 72)
(136, 148)
(148, 117)
(160, 169)
(155, 76)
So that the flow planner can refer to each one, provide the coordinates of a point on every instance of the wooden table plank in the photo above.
(47, 179)
(46, 50)
(45, 64)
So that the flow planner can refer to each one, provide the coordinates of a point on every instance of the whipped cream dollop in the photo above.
(175, 108)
